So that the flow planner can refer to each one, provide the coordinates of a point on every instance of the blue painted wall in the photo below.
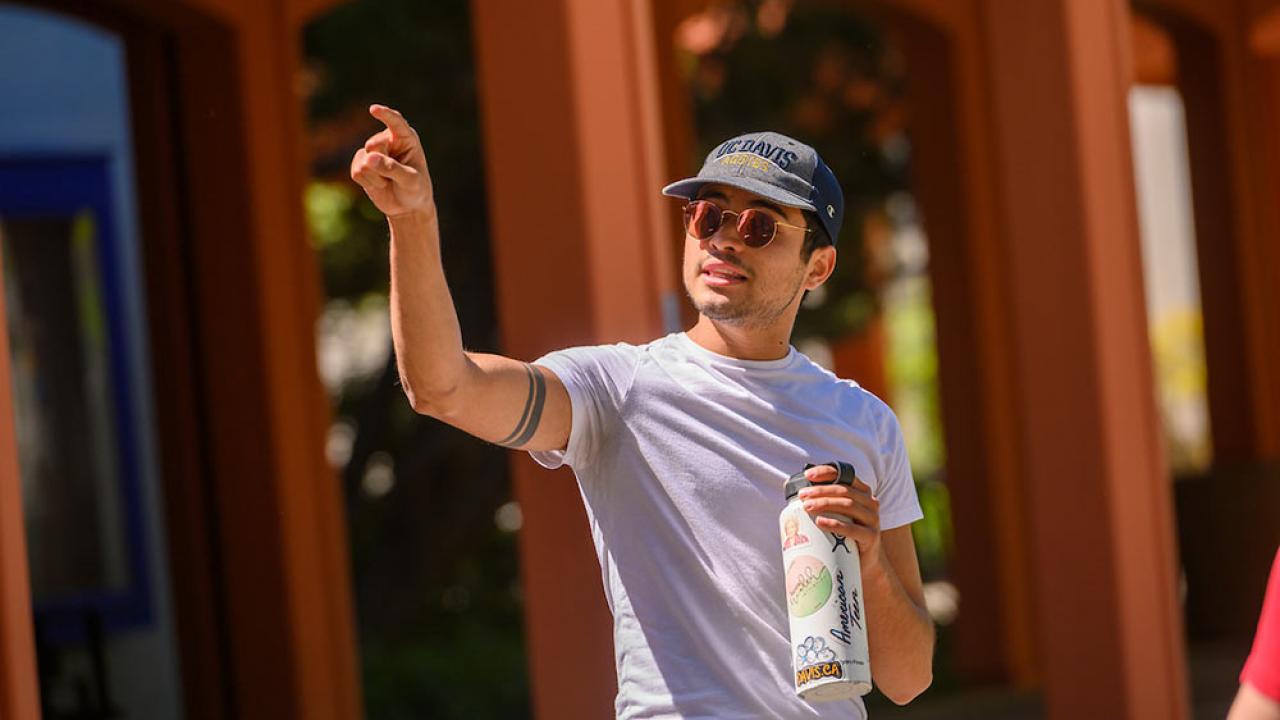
(63, 90)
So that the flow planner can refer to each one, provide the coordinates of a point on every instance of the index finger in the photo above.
(394, 121)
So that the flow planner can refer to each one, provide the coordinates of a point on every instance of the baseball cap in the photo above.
(773, 166)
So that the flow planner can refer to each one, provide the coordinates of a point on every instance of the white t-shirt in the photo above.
(681, 455)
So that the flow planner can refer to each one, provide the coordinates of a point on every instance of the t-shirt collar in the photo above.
(716, 358)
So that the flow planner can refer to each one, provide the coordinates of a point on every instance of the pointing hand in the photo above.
(392, 168)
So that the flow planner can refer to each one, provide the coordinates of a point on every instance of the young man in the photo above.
(681, 446)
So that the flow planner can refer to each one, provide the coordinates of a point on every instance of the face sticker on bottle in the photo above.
(792, 536)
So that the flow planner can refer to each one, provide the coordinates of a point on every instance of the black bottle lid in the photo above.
(798, 481)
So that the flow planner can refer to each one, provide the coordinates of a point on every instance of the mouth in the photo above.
(721, 275)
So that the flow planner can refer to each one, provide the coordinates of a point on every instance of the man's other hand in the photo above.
(851, 511)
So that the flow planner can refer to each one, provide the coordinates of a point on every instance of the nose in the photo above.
(726, 238)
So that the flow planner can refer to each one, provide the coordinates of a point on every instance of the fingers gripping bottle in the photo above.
(824, 601)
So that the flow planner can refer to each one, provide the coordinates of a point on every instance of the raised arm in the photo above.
(498, 399)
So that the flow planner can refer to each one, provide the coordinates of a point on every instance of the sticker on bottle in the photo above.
(808, 586)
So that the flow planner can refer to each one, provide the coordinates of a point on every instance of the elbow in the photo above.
(433, 403)
(908, 692)
(434, 392)
(915, 674)
(910, 681)
(419, 403)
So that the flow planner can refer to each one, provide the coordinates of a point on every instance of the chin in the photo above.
(703, 297)
(726, 312)
(716, 306)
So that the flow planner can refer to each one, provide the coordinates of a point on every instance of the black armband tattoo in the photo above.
(532, 415)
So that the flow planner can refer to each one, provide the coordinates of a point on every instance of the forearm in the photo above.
(424, 323)
(900, 635)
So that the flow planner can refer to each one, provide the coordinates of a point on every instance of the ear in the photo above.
(821, 264)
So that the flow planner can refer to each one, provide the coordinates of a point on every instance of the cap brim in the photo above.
(689, 187)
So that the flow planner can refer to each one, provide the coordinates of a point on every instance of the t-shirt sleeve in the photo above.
(597, 379)
(895, 486)
(1262, 669)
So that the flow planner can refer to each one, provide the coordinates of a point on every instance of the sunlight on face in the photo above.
(739, 285)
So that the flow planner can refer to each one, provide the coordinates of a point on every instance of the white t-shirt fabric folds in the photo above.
(681, 455)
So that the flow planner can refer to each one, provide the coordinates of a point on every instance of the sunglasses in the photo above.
(703, 218)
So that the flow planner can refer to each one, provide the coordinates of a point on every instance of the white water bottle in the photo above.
(824, 601)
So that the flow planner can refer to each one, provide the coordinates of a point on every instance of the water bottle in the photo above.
(824, 601)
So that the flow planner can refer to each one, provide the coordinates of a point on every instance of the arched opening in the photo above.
(433, 525)
(1195, 227)
(1162, 174)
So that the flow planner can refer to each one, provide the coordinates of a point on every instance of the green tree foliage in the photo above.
(823, 75)
(437, 595)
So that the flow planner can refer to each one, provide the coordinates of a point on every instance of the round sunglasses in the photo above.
(757, 228)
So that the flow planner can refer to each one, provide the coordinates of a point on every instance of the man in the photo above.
(681, 446)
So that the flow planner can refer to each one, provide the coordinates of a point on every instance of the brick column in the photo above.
(1099, 496)
(19, 696)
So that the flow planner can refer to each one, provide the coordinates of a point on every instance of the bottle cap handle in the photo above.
(846, 473)
(845, 476)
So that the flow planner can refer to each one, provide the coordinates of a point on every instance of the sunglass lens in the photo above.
(756, 228)
(702, 219)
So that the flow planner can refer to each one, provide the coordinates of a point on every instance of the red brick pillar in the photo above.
(1099, 497)
(19, 696)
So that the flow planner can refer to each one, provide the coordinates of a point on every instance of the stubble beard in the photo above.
(748, 312)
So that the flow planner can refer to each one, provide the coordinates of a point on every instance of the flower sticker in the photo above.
(812, 651)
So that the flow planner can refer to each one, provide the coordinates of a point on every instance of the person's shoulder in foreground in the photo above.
(1259, 695)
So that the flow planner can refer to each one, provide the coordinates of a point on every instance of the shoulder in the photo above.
(870, 409)
(620, 354)
(611, 366)
(852, 401)
(612, 353)
(856, 406)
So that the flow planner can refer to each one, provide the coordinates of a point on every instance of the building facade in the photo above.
(1070, 537)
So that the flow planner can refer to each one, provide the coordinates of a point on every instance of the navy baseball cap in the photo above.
(773, 166)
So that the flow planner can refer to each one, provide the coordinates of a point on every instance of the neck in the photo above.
(771, 342)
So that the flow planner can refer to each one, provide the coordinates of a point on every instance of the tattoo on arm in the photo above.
(528, 424)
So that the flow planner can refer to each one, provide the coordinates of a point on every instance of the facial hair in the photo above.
(750, 312)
